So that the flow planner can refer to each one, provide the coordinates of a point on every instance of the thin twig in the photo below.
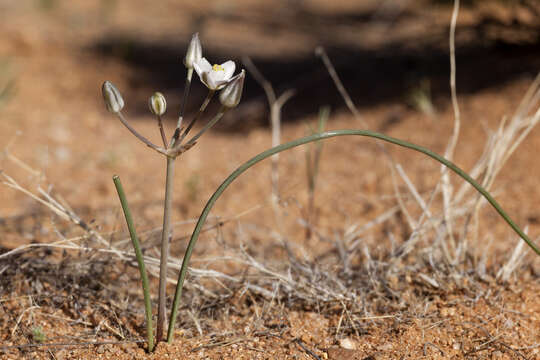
(306, 349)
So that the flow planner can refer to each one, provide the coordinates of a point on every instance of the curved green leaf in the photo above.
(305, 140)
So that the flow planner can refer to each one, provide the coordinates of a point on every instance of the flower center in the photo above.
(217, 67)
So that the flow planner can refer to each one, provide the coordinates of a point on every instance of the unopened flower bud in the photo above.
(194, 52)
(112, 97)
(157, 104)
(232, 92)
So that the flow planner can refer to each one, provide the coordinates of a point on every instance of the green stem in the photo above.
(165, 240)
(187, 87)
(139, 136)
(162, 132)
(201, 110)
(140, 261)
(211, 123)
(305, 140)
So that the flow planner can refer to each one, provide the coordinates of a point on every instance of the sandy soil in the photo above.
(58, 54)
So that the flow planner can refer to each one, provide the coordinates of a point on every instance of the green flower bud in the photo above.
(194, 52)
(232, 92)
(157, 104)
(112, 97)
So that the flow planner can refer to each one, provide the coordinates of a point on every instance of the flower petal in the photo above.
(209, 80)
(232, 93)
(220, 84)
(228, 69)
(202, 66)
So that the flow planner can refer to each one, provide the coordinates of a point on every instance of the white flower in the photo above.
(214, 77)
(232, 93)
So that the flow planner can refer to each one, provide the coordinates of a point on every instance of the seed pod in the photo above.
(112, 97)
(232, 92)
(157, 104)
(194, 52)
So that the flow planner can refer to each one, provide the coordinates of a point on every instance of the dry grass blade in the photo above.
(499, 147)
(319, 51)
(512, 264)
(275, 103)
(447, 188)
(59, 210)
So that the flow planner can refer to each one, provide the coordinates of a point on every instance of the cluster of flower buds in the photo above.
(214, 77)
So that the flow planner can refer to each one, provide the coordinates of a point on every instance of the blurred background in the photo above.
(357, 236)
(382, 49)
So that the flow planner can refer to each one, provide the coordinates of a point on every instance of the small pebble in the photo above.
(347, 343)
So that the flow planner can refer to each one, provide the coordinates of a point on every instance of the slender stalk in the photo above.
(201, 110)
(187, 87)
(305, 140)
(139, 136)
(166, 234)
(140, 261)
(162, 132)
(165, 240)
(211, 123)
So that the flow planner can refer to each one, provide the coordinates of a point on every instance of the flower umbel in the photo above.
(232, 93)
(194, 52)
(112, 97)
(214, 77)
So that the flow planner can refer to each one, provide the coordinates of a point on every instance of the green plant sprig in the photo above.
(140, 261)
(215, 78)
(308, 139)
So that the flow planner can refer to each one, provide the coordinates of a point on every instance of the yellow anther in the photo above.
(217, 67)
